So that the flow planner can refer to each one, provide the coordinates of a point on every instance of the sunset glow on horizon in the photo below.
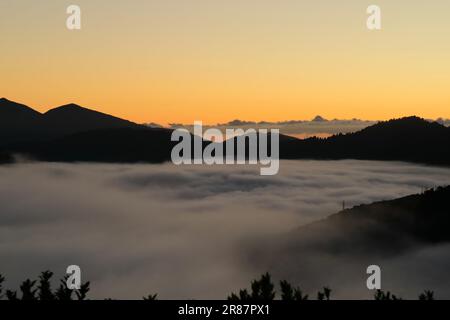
(178, 61)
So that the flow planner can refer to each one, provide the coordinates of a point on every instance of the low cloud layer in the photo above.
(299, 128)
(183, 232)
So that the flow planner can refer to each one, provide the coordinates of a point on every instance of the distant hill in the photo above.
(386, 227)
(319, 119)
(406, 139)
(72, 133)
(20, 123)
(394, 234)
(73, 118)
(5, 158)
(17, 121)
(12, 113)
(380, 230)
(122, 145)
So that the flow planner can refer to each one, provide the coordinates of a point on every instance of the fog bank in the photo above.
(182, 232)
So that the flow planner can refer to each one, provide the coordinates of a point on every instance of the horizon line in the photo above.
(317, 119)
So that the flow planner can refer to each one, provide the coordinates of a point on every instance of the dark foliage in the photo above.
(42, 291)
(28, 290)
(44, 288)
(426, 295)
(2, 279)
(63, 293)
(5, 157)
(325, 294)
(262, 289)
(83, 291)
(150, 297)
(289, 293)
(381, 295)
(11, 295)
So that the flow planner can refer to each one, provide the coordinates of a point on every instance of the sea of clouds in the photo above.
(181, 232)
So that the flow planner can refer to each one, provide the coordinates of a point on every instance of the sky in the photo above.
(184, 60)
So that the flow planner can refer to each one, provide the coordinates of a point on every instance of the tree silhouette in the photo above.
(325, 294)
(11, 295)
(28, 290)
(262, 289)
(427, 295)
(83, 291)
(381, 295)
(2, 279)
(243, 296)
(63, 293)
(289, 293)
(45, 291)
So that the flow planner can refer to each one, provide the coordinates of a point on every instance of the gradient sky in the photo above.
(184, 60)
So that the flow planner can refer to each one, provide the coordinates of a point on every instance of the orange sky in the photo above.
(186, 60)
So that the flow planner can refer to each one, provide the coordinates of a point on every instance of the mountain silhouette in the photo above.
(21, 123)
(5, 158)
(122, 145)
(319, 119)
(17, 121)
(11, 111)
(74, 133)
(344, 244)
(72, 118)
(406, 139)
(384, 227)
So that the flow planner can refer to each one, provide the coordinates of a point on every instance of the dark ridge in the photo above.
(5, 158)
(340, 247)
(319, 119)
(122, 145)
(17, 121)
(72, 118)
(408, 139)
(384, 228)
(11, 108)
(24, 130)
